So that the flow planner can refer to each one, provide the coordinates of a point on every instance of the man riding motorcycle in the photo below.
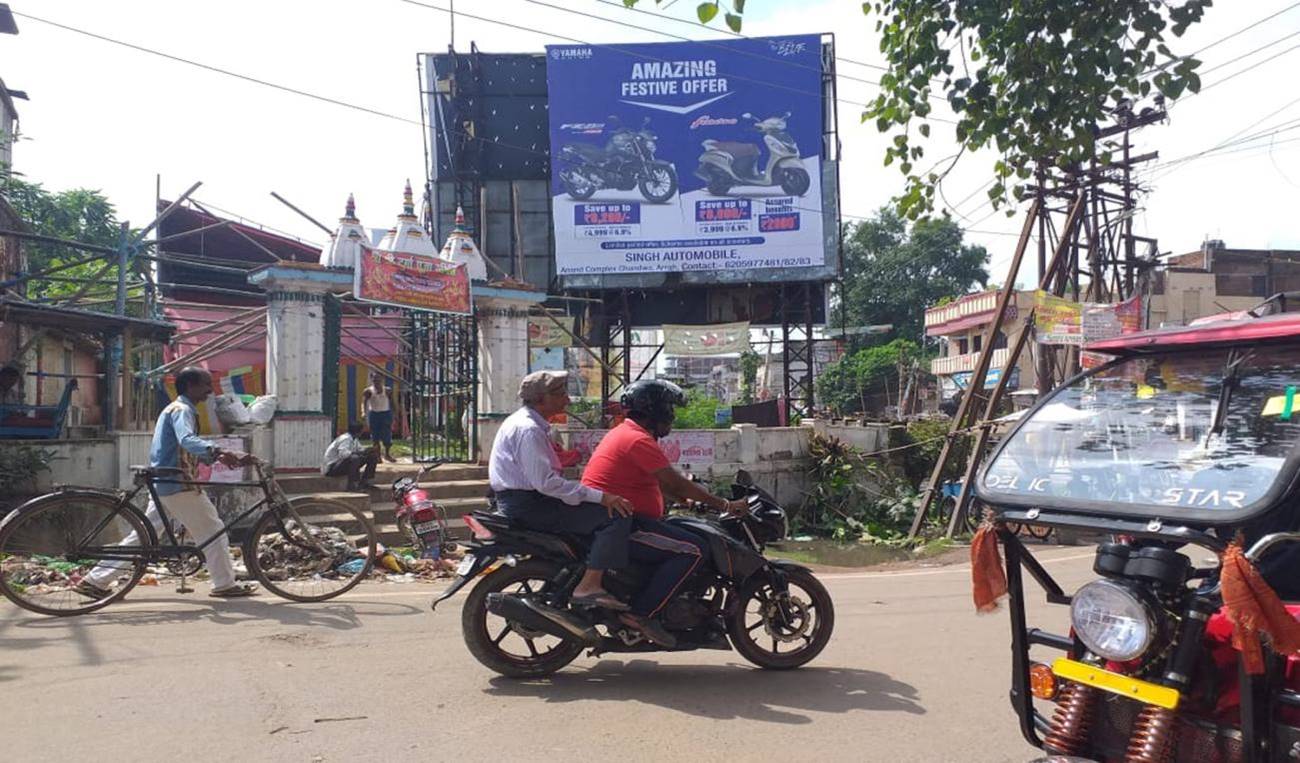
(629, 462)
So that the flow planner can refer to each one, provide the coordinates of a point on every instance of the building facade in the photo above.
(960, 326)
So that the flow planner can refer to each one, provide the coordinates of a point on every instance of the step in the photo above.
(385, 514)
(387, 473)
(450, 480)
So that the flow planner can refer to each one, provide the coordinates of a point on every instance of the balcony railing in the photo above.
(954, 364)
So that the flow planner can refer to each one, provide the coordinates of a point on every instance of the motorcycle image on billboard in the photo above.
(687, 156)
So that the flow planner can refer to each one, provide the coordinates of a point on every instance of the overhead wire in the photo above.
(218, 70)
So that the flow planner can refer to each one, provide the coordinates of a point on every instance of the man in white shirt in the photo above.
(524, 472)
(346, 456)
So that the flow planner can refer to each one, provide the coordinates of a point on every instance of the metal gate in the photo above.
(442, 388)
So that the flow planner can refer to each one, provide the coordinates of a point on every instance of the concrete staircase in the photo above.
(458, 488)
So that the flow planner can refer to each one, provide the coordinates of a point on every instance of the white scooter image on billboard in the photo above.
(726, 164)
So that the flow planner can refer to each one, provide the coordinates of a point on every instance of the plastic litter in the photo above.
(263, 409)
(231, 410)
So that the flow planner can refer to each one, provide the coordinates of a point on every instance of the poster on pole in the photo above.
(705, 341)
(671, 157)
(550, 332)
(1107, 322)
(1057, 320)
(413, 281)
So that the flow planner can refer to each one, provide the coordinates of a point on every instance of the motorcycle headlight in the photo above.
(1112, 620)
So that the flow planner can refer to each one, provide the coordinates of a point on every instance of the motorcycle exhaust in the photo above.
(536, 616)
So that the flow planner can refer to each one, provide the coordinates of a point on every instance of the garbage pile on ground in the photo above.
(283, 559)
(403, 565)
(41, 574)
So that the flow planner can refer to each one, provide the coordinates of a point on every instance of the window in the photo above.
(979, 342)
(963, 346)
(1000, 340)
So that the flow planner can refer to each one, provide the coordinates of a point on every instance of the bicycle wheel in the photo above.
(315, 550)
(46, 549)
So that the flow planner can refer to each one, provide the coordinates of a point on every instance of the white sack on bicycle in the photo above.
(231, 411)
(262, 409)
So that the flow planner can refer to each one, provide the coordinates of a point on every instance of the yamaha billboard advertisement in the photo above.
(690, 156)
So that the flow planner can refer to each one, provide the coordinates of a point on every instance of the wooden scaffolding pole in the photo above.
(982, 437)
(980, 372)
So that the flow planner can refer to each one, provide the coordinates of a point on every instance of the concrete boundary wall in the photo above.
(777, 457)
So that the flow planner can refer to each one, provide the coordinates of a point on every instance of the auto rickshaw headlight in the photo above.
(1113, 620)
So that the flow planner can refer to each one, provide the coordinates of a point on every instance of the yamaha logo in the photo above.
(580, 54)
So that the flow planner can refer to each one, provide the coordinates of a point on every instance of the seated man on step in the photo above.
(346, 456)
(524, 472)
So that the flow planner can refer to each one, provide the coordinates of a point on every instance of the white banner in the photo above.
(717, 339)
(690, 448)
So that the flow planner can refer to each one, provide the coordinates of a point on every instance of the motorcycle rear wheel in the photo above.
(795, 181)
(485, 633)
(808, 638)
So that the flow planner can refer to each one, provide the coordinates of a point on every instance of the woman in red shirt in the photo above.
(630, 463)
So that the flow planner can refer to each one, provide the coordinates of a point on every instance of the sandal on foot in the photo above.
(652, 630)
(599, 600)
(236, 591)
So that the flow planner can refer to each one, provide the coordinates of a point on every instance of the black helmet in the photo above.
(653, 399)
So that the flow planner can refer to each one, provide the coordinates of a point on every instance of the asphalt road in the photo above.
(910, 675)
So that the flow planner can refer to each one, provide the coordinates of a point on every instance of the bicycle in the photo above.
(297, 548)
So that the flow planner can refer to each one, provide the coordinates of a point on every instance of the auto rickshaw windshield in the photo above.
(1208, 434)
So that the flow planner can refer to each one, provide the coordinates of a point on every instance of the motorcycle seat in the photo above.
(587, 151)
(568, 545)
(736, 149)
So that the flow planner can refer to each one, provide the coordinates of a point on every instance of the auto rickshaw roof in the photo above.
(1229, 331)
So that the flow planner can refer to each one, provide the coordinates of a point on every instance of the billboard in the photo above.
(413, 281)
(690, 156)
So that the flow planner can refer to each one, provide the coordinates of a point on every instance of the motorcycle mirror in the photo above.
(744, 479)
(787, 115)
(746, 115)
(645, 121)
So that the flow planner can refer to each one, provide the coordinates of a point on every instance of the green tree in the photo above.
(844, 385)
(1029, 79)
(892, 274)
(749, 363)
(699, 412)
(77, 214)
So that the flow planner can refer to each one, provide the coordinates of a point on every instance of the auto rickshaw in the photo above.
(1180, 455)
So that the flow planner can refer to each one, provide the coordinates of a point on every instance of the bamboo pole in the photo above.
(139, 237)
(978, 375)
(982, 439)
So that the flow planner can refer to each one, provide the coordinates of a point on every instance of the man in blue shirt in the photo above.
(176, 445)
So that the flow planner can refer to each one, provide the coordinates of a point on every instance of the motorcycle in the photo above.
(725, 164)
(517, 620)
(1180, 442)
(421, 519)
(627, 161)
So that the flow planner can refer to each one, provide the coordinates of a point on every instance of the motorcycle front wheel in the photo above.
(795, 181)
(781, 634)
(506, 647)
(659, 183)
(578, 187)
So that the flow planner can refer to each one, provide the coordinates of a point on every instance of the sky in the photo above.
(111, 118)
